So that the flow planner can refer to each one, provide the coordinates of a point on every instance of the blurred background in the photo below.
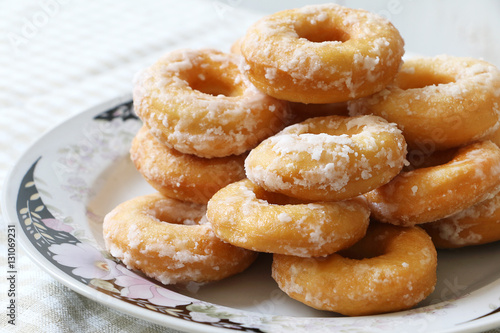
(61, 57)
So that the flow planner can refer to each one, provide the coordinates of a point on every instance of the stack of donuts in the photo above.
(448, 108)
(312, 140)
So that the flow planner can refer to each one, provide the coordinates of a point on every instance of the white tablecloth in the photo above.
(58, 58)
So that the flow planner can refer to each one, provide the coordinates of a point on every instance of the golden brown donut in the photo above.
(391, 269)
(247, 216)
(441, 101)
(198, 102)
(328, 158)
(183, 176)
(321, 54)
(479, 224)
(432, 193)
(164, 238)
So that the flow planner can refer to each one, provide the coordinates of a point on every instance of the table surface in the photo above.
(58, 58)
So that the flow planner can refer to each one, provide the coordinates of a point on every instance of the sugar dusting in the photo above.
(242, 218)
(458, 229)
(178, 250)
(305, 62)
(326, 161)
(362, 284)
(226, 125)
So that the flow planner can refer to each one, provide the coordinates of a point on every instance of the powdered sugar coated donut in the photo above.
(183, 176)
(441, 101)
(198, 102)
(164, 239)
(245, 215)
(391, 269)
(322, 54)
(328, 158)
(479, 224)
(435, 192)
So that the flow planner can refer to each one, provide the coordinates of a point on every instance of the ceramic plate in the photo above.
(60, 189)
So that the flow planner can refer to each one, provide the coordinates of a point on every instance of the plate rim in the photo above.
(479, 324)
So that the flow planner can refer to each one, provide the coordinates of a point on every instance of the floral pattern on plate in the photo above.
(86, 264)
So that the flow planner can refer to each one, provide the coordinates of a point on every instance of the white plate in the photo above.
(60, 189)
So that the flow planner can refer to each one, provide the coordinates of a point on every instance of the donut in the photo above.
(245, 215)
(441, 101)
(198, 102)
(431, 193)
(392, 268)
(182, 176)
(328, 158)
(166, 240)
(479, 224)
(321, 54)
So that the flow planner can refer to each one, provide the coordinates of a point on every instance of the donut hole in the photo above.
(320, 32)
(362, 250)
(421, 79)
(214, 86)
(374, 244)
(214, 78)
(419, 159)
(177, 216)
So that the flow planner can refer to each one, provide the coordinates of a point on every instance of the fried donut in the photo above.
(164, 238)
(321, 54)
(183, 176)
(247, 216)
(391, 269)
(479, 224)
(435, 192)
(328, 158)
(198, 102)
(442, 101)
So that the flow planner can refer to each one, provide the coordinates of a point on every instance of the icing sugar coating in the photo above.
(442, 101)
(183, 176)
(478, 224)
(246, 216)
(321, 54)
(328, 158)
(391, 269)
(165, 239)
(432, 193)
(198, 102)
